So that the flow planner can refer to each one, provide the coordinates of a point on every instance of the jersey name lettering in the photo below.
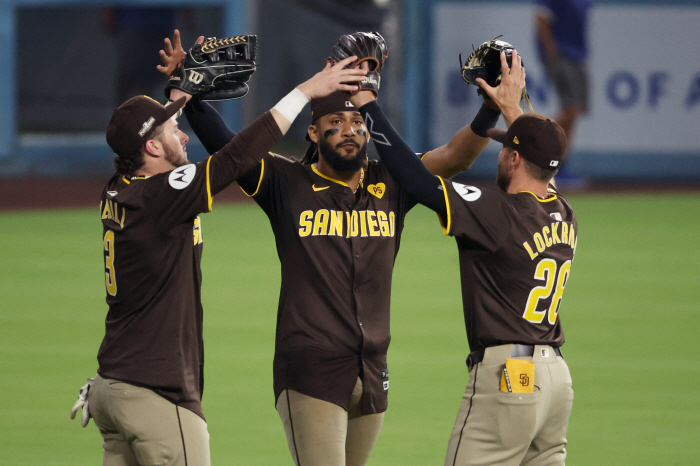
(198, 231)
(363, 223)
(111, 211)
(550, 236)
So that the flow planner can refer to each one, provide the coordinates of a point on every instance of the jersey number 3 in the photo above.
(547, 272)
(110, 279)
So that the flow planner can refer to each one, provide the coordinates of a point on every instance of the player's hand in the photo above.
(509, 92)
(177, 93)
(364, 96)
(333, 78)
(83, 403)
(173, 53)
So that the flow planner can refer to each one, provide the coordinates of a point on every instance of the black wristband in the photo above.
(485, 119)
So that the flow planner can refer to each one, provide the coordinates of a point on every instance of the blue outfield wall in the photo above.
(7, 94)
(638, 128)
(645, 113)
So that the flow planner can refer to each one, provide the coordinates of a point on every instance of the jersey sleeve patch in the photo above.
(181, 177)
(466, 192)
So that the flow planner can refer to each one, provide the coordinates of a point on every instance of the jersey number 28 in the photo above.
(547, 272)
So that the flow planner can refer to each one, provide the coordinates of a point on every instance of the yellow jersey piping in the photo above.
(257, 188)
(210, 198)
(550, 198)
(313, 167)
(134, 178)
(446, 230)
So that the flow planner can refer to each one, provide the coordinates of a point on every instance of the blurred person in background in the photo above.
(561, 27)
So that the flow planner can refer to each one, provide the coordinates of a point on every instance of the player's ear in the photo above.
(313, 133)
(152, 148)
(516, 159)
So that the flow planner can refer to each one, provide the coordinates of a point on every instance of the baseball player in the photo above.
(516, 245)
(337, 220)
(146, 397)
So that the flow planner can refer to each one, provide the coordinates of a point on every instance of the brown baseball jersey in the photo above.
(153, 242)
(515, 254)
(337, 252)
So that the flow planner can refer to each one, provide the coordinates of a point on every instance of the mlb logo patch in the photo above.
(386, 385)
(545, 352)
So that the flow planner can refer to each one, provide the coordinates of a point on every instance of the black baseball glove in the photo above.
(485, 63)
(217, 69)
(368, 47)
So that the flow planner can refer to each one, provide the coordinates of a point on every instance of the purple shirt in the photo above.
(569, 21)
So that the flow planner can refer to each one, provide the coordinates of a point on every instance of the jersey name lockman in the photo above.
(326, 222)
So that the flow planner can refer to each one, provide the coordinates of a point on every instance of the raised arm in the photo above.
(249, 147)
(209, 127)
(212, 129)
(465, 146)
(236, 154)
(401, 161)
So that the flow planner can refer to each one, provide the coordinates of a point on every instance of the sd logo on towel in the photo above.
(518, 376)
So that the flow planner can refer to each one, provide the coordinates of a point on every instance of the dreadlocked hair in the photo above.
(311, 155)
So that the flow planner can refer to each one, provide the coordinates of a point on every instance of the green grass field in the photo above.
(630, 314)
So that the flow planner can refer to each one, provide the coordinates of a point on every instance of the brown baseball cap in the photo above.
(538, 139)
(135, 120)
(336, 102)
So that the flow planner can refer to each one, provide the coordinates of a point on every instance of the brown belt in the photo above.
(518, 351)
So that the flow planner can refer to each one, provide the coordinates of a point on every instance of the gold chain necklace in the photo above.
(362, 177)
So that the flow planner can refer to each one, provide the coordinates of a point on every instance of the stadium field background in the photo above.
(630, 316)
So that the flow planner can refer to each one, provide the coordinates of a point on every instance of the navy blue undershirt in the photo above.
(402, 162)
(213, 132)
